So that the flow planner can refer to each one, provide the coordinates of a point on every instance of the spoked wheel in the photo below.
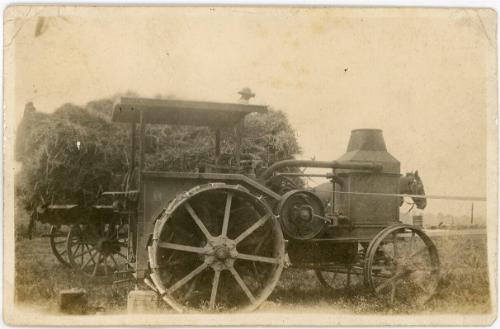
(402, 265)
(216, 248)
(98, 250)
(57, 238)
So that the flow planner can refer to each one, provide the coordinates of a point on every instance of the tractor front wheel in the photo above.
(402, 265)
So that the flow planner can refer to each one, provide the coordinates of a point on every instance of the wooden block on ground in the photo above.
(142, 301)
(73, 301)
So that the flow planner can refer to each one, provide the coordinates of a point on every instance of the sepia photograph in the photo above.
(250, 165)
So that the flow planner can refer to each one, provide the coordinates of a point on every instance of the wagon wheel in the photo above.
(402, 264)
(216, 247)
(98, 250)
(57, 239)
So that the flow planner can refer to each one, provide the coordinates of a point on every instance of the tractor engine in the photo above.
(356, 197)
(360, 209)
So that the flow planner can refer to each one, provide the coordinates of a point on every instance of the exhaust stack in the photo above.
(368, 145)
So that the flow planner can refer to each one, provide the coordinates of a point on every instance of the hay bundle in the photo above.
(72, 154)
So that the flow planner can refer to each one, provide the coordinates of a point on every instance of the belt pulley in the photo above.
(302, 214)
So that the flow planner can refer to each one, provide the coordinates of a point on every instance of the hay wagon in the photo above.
(219, 238)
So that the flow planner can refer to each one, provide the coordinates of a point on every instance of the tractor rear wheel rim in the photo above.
(207, 254)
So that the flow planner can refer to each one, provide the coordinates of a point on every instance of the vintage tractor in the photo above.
(219, 238)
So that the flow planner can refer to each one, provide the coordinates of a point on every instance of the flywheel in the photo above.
(302, 214)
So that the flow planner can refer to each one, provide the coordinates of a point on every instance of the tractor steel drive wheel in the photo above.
(402, 265)
(58, 237)
(216, 248)
(98, 250)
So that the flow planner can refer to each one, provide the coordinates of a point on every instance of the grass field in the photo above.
(464, 284)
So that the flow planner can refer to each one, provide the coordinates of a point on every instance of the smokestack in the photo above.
(368, 145)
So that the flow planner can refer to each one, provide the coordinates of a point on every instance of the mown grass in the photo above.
(464, 285)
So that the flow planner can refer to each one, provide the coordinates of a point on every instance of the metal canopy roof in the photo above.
(178, 112)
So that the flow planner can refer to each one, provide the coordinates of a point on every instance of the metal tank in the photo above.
(364, 212)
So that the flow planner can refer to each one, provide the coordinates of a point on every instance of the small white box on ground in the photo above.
(142, 301)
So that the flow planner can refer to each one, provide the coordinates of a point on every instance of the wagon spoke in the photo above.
(180, 247)
(92, 255)
(188, 277)
(197, 220)
(255, 258)
(252, 228)
(77, 248)
(242, 285)
(227, 212)
(83, 253)
(114, 261)
(87, 263)
(215, 286)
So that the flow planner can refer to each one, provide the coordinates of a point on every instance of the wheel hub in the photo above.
(305, 214)
(107, 246)
(221, 253)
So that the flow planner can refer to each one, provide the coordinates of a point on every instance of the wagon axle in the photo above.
(108, 246)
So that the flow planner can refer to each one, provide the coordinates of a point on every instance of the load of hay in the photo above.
(72, 154)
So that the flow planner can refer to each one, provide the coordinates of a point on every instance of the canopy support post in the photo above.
(130, 181)
(239, 134)
(217, 145)
(132, 150)
(142, 146)
(139, 225)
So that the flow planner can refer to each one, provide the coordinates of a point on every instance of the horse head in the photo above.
(411, 183)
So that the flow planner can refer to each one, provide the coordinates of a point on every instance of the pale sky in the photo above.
(422, 76)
